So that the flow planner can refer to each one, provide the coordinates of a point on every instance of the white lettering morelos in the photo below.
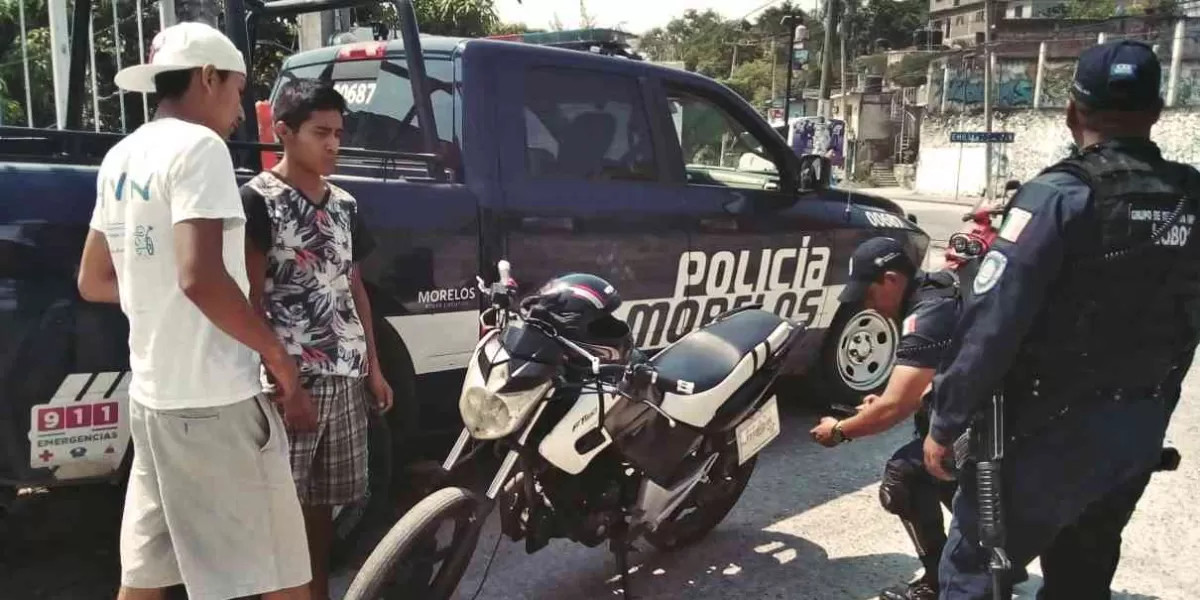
(790, 282)
(447, 295)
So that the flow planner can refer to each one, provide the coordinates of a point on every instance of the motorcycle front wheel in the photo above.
(410, 562)
(707, 504)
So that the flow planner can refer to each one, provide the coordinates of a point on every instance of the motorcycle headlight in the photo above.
(489, 414)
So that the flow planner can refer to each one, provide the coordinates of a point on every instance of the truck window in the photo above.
(717, 149)
(583, 125)
(380, 113)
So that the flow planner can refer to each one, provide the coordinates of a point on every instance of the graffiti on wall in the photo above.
(1187, 89)
(1016, 83)
(1056, 82)
(1014, 86)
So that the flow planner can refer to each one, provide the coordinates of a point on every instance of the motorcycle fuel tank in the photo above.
(578, 437)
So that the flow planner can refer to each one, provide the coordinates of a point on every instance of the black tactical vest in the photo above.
(1122, 312)
(939, 284)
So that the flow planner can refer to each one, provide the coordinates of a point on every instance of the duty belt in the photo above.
(1083, 402)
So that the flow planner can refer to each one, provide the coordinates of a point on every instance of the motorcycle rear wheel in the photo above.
(406, 562)
(707, 505)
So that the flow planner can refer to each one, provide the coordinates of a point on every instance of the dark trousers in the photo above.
(1081, 561)
(911, 493)
(1078, 560)
(1067, 497)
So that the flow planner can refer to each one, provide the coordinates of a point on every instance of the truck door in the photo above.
(753, 239)
(584, 188)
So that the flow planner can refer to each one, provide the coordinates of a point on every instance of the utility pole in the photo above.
(987, 94)
(733, 63)
(826, 58)
(774, 68)
(790, 21)
(843, 32)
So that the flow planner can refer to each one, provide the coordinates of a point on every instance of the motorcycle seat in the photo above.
(718, 359)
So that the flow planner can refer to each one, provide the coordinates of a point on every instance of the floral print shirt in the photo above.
(310, 249)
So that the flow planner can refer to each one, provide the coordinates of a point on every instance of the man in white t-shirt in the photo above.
(211, 503)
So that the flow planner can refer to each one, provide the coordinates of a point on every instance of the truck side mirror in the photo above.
(814, 172)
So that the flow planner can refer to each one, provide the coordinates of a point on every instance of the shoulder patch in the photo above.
(1014, 224)
(910, 325)
(989, 273)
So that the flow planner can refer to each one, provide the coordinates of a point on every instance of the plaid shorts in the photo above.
(330, 464)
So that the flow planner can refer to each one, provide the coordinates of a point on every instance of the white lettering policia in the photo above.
(787, 281)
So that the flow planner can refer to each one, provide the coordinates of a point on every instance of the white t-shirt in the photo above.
(165, 172)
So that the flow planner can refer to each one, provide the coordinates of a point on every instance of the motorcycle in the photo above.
(980, 229)
(594, 449)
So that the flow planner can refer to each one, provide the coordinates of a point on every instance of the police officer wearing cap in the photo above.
(884, 279)
(1081, 322)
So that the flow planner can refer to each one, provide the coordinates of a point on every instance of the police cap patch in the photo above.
(989, 273)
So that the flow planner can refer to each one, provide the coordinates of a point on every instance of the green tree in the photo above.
(511, 28)
(1104, 9)
(892, 21)
(752, 80)
(461, 18)
(1089, 9)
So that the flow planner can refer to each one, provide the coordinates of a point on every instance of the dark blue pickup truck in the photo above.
(664, 182)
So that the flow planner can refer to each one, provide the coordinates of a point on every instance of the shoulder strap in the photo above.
(940, 284)
(1074, 168)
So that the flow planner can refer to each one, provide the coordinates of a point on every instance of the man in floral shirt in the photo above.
(306, 238)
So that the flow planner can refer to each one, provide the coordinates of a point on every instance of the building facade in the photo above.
(960, 21)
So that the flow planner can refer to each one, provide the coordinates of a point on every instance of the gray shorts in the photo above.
(211, 502)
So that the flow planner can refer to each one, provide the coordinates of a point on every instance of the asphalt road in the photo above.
(808, 526)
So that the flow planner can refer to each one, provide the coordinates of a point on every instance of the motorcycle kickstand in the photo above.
(619, 546)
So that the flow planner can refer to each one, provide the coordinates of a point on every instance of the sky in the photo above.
(634, 16)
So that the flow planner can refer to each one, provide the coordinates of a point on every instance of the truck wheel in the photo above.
(355, 525)
(358, 527)
(7, 496)
(856, 359)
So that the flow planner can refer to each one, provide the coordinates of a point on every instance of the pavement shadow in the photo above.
(729, 563)
(1029, 589)
(745, 557)
(786, 480)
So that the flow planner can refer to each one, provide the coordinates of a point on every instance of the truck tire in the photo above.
(856, 359)
(358, 527)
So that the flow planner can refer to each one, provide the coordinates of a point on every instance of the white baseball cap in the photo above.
(182, 46)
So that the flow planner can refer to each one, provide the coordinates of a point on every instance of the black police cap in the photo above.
(1122, 75)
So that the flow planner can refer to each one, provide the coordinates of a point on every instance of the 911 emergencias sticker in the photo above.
(86, 421)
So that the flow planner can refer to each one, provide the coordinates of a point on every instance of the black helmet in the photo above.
(580, 307)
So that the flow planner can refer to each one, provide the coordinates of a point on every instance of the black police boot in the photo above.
(917, 590)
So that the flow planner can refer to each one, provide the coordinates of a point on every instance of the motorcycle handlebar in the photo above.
(648, 374)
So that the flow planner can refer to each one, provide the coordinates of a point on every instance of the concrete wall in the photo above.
(1041, 139)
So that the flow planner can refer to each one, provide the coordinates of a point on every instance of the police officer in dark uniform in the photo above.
(884, 279)
(1084, 317)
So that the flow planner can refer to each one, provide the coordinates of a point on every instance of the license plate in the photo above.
(757, 431)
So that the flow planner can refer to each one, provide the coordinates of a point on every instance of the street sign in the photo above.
(799, 56)
(981, 137)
